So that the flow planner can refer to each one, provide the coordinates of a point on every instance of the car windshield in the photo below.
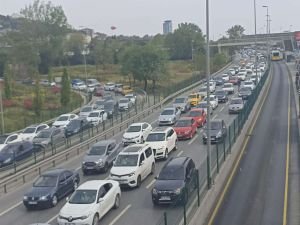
(192, 96)
(44, 134)
(236, 101)
(74, 124)
(244, 89)
(171, 173)
(134, 129)
(100, 102)
(168, 112)
(202, 105)
(220, 93)
(195, 113)
(29, 130)
(248, 83)
(109, 106)
(87, 109)
(2, 139)
(126, 160)
(97, 150)
(107, 98)
(94, 114)
(202, 89)
(62, 118)
(83, 197)
(46, 181)
(156, 137)
(227, 85)
(124, 101)
(215, 125)
(179, 100)
(183, 123)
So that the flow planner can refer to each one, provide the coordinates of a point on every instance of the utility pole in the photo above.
(256, 77)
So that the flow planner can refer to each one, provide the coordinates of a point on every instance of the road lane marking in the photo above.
(221, 109)
(237, 162)
(10, 208)
(180, 153)
(52, 218)
(150, 184)
(287, 163)
(214, 117)
(155, 121)
(193, 139)
(120, 214)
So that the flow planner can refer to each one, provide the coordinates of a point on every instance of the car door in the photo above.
(224, 129)
(148, 155)
(102, 202)
(143, 166)
(110, 152)
(146, 130)
(170, 140)
(194, 126)
(62, 185)
(69, 182)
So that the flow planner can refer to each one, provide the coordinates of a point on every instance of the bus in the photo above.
(276, 55)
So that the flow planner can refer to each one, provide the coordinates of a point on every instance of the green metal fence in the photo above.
(182, 214)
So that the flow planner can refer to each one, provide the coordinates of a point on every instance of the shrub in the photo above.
(28, 104)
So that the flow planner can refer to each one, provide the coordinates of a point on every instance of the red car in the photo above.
(198, 115)
(99, 91)
(233, 80)
(185, 128)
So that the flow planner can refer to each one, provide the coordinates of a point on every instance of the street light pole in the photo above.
(1, 109)
(268, 30)
(256, 77)
(208, 94)
(85, 70)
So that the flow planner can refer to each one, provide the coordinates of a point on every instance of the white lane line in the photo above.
(78, 168)
(221, 109)
(214, 117)
(150, 184)
(52, 218)
(120, 214)
(155, 121)
(10, 208)
(180, 153)
(191, 141)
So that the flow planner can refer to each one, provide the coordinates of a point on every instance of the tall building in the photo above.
(167, 27)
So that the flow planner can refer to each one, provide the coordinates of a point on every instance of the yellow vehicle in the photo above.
(276, 55)
(127, 90)
(194, 99)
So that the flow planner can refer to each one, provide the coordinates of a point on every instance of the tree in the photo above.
(75, 45)
(219, 59)
(236, 31)
(7, 82)
(65, 93)
(38, 99)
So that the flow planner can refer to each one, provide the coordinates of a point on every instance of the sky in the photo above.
(141, 17)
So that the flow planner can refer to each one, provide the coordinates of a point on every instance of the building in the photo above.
(167, 27)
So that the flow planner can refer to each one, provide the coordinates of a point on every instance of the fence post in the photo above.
(184, 209)
(229, 136)
(165, 218)
(224, 148)
(198, 188)
(217, 149)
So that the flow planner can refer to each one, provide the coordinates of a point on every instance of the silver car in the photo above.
(48, 136)
(169, 116)
(182, 103)
(236, 105)
(124, 104)
(100, 156)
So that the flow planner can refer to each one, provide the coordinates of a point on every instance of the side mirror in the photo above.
(67, 199)
(155, 177)
(100, 200)
(142, 163)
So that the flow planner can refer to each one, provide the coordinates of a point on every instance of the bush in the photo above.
(8, 103)
(28, 104)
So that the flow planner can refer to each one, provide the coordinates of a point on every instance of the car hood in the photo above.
(245, 93)
(93, 119)
(165, 117)
(131, 134)
(168, 184)
(84, 114)
(41, 140)
(2, 146)
(182, 129)
(76, 210)
(40, 191)
(156, 144)
(3, 156)
(175, 105)
(235, 106)
(221, 96)
(212, 132)
(123, 170)
(93, 158)
(26, 136)
(60, 123)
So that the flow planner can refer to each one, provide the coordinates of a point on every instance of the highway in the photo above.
(258, 193)
(133, 203)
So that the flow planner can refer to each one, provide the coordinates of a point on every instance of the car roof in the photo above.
(92, 184)
(217, 120)
(135, 148)
(184, 118)
(67, 114)
(169, 108)
(237, 98)
(55, 171)
(104, 142)
(196, 109)
(137, 124)
(160, 129)
(177, 161)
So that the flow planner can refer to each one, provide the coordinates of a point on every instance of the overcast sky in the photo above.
(142, 17)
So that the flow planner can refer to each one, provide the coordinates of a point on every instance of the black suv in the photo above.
(176, 179)
(218, 131)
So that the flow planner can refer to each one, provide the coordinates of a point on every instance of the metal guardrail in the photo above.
(23, 176)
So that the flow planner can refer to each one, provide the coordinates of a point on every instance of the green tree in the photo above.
(38, 99)
(65, 89)
(7, 82)
(50, 75)
(235, 32)
(219, 60)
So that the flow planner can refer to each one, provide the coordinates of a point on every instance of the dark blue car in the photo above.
(50, 187)
(14, 152)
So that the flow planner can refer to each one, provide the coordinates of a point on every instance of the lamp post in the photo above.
(268, 30)
(84, 52)
(256, 77)
(208, 94)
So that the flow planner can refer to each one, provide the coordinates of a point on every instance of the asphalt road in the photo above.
(136, 206)
(258, 189)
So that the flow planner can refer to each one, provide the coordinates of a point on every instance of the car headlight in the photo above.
(84, 217)
(60, 217)
(44, 197)
(204, 135)
(131, 174)
(187, 132)
(100, 161)
(219, 134)
(25, 197)
(161, 148)
(7, 160)
(154, 191)
(177, 191)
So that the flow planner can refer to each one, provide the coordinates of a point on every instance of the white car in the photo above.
(242, 75)
(64, 119)
(162, 140)
(228, 87)
(203, 105)
(250, 84)
(80, 86)
(213, 101)
(96, 117)
(85, 111)
(202, 91)
(7, 139)
(136, 133)
(90, 202)
(30, 132)
(169, 116)
(131, 97)
(134, 164)
(232, 71)
(109, 86)
(225, 77)
(236, 105)
(212, 86)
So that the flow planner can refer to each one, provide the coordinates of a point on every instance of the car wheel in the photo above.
(166, 154)
(54, 201)
(96, 219)
(152, 169)
(117, 202)
(75, 186)
(142, 140)
(138, 181)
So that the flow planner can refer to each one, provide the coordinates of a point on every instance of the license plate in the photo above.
(69, 223)
(90, 168)
(32, 203)
(165, 198)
